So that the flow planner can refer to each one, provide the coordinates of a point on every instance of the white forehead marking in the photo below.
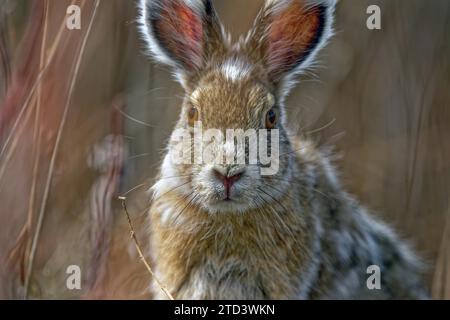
(235, 70)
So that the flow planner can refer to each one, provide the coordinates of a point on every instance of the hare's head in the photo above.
(228, 87)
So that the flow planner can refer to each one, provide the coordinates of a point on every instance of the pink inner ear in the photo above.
(180, 28)
(291, 34)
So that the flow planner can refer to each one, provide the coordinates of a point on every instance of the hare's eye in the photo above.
(271, 119)
(192, 116)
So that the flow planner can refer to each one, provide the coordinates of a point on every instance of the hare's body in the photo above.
(315, 242)
(251, 229)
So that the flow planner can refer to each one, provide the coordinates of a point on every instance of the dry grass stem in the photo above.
(55, 151)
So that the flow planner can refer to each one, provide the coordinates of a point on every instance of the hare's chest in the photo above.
(230, 279)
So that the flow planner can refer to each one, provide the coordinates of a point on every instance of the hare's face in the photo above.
(233, 120)
(229, 151)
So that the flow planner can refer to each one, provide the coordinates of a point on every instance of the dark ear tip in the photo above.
(210, 12)
(208, 7)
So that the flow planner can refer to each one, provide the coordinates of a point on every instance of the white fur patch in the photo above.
(235, 70)
(166, 215)
(170, 179)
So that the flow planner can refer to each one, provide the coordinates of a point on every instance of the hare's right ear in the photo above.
(287, 36)
(183, 34)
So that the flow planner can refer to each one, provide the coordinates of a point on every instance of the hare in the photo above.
(227, 231)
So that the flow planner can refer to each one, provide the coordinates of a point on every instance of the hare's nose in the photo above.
(227, 179)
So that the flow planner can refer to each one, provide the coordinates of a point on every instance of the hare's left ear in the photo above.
(184, 34)
(288, 34)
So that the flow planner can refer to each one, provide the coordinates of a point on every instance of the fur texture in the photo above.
(292, 235)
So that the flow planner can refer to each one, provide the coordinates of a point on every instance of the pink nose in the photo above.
(228, 182)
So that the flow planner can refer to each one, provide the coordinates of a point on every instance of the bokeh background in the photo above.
(84, 117)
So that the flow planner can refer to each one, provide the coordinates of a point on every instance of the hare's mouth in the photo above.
(227, 197)
(223, 199)
(230, 205)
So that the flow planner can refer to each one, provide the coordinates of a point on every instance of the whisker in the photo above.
(282, 193)
(329, 124)
(336, 137)
(173, 189)
(142, 155)
(293, 151)
(123, 113)
(147, 207)
(134, 188)
(188, 205)
(303, 186)
(279, 221)
(174, 177)
(277, 215)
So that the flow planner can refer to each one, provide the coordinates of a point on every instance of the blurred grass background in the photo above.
(381, 97)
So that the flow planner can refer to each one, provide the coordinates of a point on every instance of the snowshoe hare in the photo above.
(257, 230)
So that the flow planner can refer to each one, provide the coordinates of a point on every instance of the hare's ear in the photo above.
(288, 34)
(181, 33)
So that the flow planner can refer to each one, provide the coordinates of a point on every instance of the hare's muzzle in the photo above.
(228, 178)
(228, 183)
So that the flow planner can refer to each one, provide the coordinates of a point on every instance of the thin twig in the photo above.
(138, 248)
